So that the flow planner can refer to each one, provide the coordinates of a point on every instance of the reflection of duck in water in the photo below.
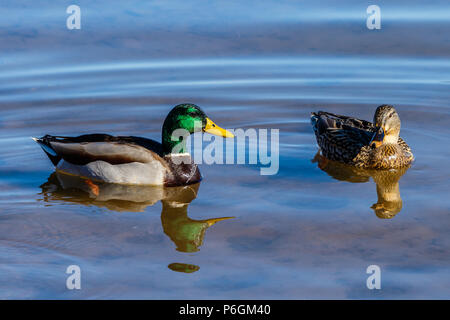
(361, 143)
(388, 191)
(183, 267)
(185, 232)
(66, 188)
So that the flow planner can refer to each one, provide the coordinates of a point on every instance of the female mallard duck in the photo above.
(134, 160)
(361, 143)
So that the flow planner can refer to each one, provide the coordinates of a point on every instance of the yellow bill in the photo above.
(213, 221)
(213, 128)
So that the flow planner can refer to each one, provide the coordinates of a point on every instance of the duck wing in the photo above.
(340, 137)
(84, 149)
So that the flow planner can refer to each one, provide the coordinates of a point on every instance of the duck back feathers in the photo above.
(341, 138)
(121, 159)
(346, 139)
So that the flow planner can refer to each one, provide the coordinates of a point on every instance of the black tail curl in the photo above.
(44, 142)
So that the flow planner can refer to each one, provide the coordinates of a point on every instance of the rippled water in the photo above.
(307, 232)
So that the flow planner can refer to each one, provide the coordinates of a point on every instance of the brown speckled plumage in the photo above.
(348, 140)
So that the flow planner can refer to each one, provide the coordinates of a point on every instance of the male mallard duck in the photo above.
(134, 160)
(361, 143)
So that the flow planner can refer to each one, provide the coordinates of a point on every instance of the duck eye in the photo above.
(214, 125)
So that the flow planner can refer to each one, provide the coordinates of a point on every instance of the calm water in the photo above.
(308, 232)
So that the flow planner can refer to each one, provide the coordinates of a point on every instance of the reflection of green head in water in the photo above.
(183, 267)
(185, 232)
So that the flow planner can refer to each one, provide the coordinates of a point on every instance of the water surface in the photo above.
(308, 232)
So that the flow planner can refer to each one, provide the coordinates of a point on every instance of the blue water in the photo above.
(254, 64)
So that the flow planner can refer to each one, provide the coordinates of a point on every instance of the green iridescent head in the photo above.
(190, 118)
